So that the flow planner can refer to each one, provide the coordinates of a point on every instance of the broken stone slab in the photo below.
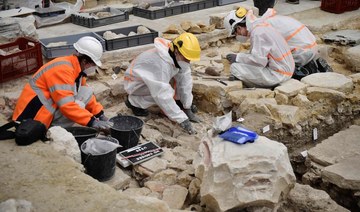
(281, 99)
(291, 87)
(154, 165)
(345, 174)
(316, 93)
(175, 196)
(257, 174)
(250, 105)
(238, 96)
(120, 180)
(342, 145)
(343, 37)
(167, 176)
(211, 95)
(306, 198)
(352, 58)
(155, 186)
(101, 91)
(301, 101)
(117, 87)
(330, 80)
(286, 114)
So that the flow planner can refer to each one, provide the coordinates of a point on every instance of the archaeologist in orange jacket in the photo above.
(57, 94)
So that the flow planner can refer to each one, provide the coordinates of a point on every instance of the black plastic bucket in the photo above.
(101, 167)
(81, 134)
(126, 130)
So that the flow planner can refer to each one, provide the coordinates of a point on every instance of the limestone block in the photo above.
(120, 180)
(167, 176)
(117, 86)
(316, 93)
(330, 80)
(287, 114)
(142, 30)
(175, 196)
(291, 87)
(212, 36)
(256, 105)
(207, 29)
(184, 179)
(101, 91)
(168, 155)
(345, 174)
(169, 36)
(151, 134)
(64, 142)
(155, 164)
(137, 191)
(173, 29)
(258, 174)
(194, 188)
(16, 205)
(355, 78)
(218, 20)
(306, 198)
(155, 186)
(186, 25)
(186, 153)
(281, 99)
(239, 96)
(342, 145)
(301, 101)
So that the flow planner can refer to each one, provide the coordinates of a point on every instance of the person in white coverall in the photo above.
(301, 42)
(269, 62)
(148, 76)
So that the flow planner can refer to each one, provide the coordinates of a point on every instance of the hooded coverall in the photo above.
(53, 89)
(269, 62)
(299, 38)
(147, 82)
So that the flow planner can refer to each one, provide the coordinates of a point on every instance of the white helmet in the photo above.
(233, 18)
(91, 47)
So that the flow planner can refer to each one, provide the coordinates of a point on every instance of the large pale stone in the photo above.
(117, 86)
(101, 91)
(256, 105)
(317, 93)
(120, 180)
(329, 80)
(175, 196)
(212, 94)
(155, 164)
(352, 58)
(306, 198)
(239, 96)
(252, 174)
(167, 176)
(342, 145)
(287, 114)
(300, 101)
(345, 174)
(218, 20)
(291, 87)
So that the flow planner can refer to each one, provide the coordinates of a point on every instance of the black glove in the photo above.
(103, 118)
(231, 58)
(186, 125)
(192, 116)
(102, 125)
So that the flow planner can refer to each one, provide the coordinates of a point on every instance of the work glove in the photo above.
(192, 117)
(231, 58)
(186, 125)
(102, 125)
(103, 118)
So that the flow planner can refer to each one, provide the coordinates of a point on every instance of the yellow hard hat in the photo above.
(188, 46)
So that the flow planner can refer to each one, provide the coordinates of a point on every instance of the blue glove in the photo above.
(231, 58)
(186, 125)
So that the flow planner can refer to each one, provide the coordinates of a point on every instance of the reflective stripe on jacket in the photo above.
(54, 85)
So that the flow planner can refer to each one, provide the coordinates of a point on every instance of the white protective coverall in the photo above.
(299, 38)
(269, 62)
(147, 82)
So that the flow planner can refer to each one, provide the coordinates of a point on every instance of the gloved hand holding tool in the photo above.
(231, 58)
(186, 125)
(102, 125)
(192, 117)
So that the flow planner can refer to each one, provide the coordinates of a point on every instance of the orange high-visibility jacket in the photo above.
(52, 87)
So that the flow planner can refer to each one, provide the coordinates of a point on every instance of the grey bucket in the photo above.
(101, 167)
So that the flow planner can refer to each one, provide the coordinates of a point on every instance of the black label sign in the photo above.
(141, 153)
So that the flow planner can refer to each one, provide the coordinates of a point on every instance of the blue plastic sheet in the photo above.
(239, 135)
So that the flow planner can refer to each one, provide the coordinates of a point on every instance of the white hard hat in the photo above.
(91, 47)
(233, 18)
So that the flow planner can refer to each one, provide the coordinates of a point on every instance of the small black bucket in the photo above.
(126, 130)
(101, 167)
(81, 134)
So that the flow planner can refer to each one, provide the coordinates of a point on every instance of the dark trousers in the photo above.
(263, 5)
